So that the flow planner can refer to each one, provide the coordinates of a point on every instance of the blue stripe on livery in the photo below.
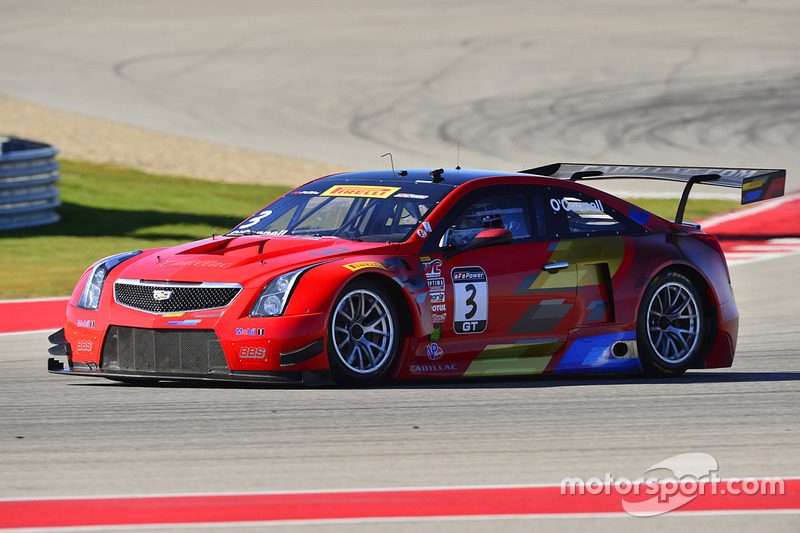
(594, 353)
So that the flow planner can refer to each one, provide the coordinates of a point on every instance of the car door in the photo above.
(500, 308)
(599, 241)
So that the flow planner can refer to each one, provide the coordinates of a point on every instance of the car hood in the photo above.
(243, 260)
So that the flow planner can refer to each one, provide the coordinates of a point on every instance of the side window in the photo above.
(580, 215)
(540, 226)
(508, 211)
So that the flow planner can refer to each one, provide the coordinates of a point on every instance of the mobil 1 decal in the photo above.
(472, 299)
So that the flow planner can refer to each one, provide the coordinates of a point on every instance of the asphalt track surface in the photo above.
(517, 83)
(78, 437)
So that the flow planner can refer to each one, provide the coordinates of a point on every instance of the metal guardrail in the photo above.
(28, 175)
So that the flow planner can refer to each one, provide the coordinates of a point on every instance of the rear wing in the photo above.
(756, 184)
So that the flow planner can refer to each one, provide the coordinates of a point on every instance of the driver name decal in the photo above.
(572, 205)
(361, 191)
(471, 293)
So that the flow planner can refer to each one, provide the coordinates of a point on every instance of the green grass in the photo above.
(108, 209)
(695, 209)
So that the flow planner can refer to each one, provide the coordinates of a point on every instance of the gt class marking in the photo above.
(470, 290)
(361, 191)
(353, 267)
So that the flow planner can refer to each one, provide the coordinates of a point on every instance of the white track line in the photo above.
(31, 332)
(34, 300)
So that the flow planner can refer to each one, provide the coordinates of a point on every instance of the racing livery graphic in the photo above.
(361, 277)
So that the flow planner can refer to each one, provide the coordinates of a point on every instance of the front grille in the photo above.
(173, 298)
(163, 351)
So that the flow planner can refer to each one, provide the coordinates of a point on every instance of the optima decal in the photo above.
(436, 284)
(361, 191)
(353, 267)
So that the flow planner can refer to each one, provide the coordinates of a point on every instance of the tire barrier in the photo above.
(28, 176)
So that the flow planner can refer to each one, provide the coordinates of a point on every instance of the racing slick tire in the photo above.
(363, 335)
(671, 325)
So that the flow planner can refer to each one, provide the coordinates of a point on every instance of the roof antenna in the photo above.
(458, 156)
(391, 159)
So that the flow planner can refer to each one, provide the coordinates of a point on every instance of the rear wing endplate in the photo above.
(756, 184)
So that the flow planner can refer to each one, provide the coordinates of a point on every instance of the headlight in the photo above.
(90, 297)
(275, 296)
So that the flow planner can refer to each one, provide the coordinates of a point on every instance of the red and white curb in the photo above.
(378, 505)
(767, 230)
(17, 316)
(741, 252)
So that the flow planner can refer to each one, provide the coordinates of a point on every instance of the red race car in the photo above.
(365, 276)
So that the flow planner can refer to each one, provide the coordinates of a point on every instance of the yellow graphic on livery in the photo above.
(353, 267)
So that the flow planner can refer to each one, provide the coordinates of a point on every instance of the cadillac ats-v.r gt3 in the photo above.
(360, 277)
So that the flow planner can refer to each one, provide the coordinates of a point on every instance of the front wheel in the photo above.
(671, 325)
(363, 335)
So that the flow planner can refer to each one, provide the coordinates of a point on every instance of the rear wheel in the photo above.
(363, 335)
(671, 325)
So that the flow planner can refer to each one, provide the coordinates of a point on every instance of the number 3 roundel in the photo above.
(471, 295)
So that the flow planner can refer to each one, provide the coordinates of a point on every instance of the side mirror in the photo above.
(488, 237)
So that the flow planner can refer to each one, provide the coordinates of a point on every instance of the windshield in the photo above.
(354, 211)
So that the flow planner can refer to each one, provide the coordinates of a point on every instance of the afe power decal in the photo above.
(471, 294)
